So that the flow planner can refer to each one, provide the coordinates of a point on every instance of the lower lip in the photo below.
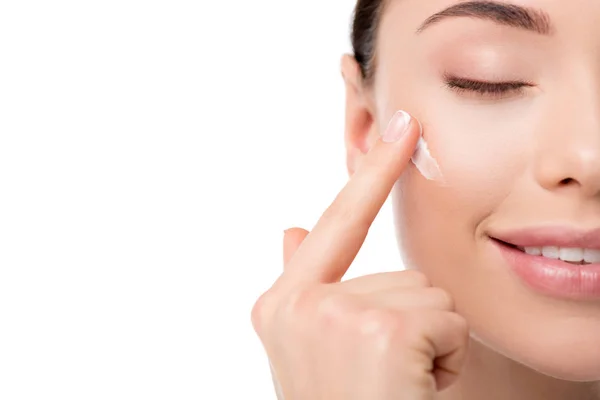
(553, 277)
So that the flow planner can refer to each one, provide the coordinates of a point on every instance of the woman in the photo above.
(501, 299)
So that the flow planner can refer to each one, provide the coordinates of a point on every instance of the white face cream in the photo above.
(425, 163)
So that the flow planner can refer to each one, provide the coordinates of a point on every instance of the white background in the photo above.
(151, 155)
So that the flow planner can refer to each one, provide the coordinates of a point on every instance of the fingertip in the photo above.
(401, 126)
(395, 146)
(294, 232)
(292, 238)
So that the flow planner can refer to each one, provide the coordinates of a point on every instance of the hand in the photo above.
(386, 336)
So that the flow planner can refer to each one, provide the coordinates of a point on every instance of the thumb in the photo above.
(292, 239)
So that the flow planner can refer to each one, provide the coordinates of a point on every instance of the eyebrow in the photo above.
(501, 13)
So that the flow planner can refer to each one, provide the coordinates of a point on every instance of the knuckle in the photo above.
(332, 212)
(344, 213)
(371, 168)
(382, 324)
(335, 308)
(338, 213)
(259, 310)
(262, 310)
(300, 301)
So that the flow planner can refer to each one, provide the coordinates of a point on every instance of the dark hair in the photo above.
(365, 24)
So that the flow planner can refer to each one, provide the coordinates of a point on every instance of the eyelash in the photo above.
(486, 89)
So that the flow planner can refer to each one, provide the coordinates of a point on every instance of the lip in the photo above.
(555, 278)
(551, 236)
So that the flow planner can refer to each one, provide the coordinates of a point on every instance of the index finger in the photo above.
(327, 252)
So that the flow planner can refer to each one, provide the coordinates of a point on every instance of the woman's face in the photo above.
(521, 162)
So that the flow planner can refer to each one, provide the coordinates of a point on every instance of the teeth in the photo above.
(551, 252)
(573, 255)
(591, 256)
(533, 251)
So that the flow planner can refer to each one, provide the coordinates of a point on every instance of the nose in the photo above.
(568, 151)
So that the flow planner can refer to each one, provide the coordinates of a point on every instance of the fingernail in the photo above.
(397, 127)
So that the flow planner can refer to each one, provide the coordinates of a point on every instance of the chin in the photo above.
(563, 349)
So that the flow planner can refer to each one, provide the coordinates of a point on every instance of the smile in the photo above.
(557, 262)
(568, 254)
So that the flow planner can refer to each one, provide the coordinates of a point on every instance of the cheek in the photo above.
(480, 148)
(439, 234)
(481, 153)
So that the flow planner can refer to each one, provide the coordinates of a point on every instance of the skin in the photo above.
(523, 160)
(509, 162)
(386, 336)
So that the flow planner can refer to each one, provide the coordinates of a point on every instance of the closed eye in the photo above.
(486, 89)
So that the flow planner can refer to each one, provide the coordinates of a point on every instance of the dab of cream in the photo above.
(425, 163)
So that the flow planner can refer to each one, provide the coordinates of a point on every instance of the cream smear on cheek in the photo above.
(424, 161)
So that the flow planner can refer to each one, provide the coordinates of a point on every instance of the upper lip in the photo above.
(550, 236)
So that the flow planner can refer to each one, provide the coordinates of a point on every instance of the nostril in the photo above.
(566, 181)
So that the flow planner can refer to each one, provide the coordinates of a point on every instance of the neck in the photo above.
(491, 376)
